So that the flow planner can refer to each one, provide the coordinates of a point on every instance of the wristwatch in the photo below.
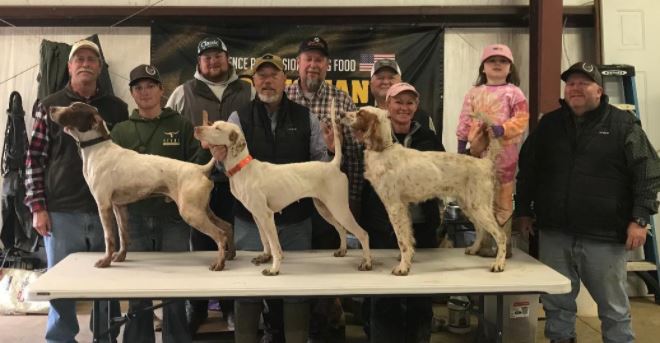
(640, 221)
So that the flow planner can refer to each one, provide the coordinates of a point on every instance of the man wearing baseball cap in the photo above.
(155, 223)
(384, 74)
(277, 130)
(63, 209)
(593, 177)
(216, 89)
(311, 91)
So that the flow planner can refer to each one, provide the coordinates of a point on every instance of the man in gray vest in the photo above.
(216, 89)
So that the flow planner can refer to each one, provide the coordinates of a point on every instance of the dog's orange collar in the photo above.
(240, 165)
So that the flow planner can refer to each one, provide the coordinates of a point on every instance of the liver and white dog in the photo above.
(266, 188)
(118, 176)
(401, 176)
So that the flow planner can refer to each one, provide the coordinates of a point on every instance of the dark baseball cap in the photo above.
(314, 43)
(386, 63)
(274, 60)
(211, 43)
(584, 68)
(144, 71)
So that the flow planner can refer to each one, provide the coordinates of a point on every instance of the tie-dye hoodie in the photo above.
(511, 112)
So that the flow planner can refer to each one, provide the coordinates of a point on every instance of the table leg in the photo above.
(500, 318)
(96, 322)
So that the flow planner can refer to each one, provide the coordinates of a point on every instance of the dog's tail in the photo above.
(337, 135)
(494, 148)
(208, 168)
(494, 144)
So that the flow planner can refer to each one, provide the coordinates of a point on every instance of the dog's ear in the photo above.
(100, 126)
(233, 136)
(238, 143)
(372, 132)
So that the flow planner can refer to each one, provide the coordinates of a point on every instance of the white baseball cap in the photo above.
(84, 44)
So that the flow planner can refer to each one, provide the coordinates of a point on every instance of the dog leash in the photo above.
(240, 165)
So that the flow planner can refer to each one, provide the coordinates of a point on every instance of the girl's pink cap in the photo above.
(496, 50)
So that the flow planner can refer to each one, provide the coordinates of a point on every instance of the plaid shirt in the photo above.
(35, 163)
(353, 162)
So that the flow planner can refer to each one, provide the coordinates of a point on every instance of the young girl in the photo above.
(497, 96)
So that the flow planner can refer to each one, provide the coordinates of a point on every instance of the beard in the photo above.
(313, 84)
(270, 99)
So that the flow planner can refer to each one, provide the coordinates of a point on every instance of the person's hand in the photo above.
(636, 236)
(328, 136)
(219, 152)
(496, 130)
(524, 225)
(41, 222)
(479, 142)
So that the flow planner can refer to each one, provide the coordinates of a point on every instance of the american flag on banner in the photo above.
(367, 60)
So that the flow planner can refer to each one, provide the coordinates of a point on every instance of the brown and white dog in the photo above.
(118, 176)
(266, 188)
(401, 176)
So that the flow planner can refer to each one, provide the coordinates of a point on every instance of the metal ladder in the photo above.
(619, 84)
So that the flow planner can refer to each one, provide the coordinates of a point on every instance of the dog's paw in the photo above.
(365, 265)
(262, 258)
(268, 272)
(471, 251)
(497, 267)
(217, 266)
(103, 263)
(340, 253)
(119, 256)
(400, 271)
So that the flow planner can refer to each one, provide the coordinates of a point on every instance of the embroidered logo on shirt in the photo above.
(603, 132)
(171, 138)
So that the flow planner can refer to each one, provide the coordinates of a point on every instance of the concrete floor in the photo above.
(646, 324)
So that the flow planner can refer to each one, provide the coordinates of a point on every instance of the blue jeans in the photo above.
(158, 234)
(602, 268)
(73, 232)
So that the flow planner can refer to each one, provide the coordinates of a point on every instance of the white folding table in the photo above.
(160, 275)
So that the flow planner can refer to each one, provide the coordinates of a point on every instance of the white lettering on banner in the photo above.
(344, 65)
(240, 63)
(291, 64)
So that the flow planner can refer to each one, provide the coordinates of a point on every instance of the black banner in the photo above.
(353, 50)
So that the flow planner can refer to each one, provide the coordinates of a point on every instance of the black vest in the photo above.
(66, 189)
(584, 186)
(288, 144)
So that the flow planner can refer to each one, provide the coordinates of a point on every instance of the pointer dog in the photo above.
(251, 182)
(118, 176)
(401, 176)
